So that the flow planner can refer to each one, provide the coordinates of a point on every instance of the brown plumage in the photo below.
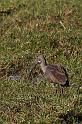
(54, 73)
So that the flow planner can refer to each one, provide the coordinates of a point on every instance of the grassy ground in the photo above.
(54, 28)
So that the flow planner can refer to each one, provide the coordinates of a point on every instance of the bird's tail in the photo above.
(66, 84)
(67, 81)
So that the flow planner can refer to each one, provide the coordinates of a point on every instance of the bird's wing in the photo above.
(56, 74)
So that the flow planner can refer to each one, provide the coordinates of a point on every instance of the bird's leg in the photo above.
(55, 86)
(62, 90)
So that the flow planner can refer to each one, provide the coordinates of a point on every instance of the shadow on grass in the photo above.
(71, 117)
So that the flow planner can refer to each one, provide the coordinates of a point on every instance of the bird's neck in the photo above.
(43, 66)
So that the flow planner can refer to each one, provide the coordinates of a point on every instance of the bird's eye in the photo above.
(39, 61)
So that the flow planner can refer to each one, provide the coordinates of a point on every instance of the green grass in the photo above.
(54, 28)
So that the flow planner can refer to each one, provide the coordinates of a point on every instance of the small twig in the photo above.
(62, 25)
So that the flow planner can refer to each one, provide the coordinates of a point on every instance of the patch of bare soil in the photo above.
(15, 67)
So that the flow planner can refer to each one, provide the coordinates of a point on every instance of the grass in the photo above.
(53, 28)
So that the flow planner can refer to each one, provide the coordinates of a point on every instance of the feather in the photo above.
(55, 74)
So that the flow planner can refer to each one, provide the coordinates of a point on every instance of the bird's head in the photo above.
(40, 59)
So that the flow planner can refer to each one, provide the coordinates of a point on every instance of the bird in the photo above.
(55, 73)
